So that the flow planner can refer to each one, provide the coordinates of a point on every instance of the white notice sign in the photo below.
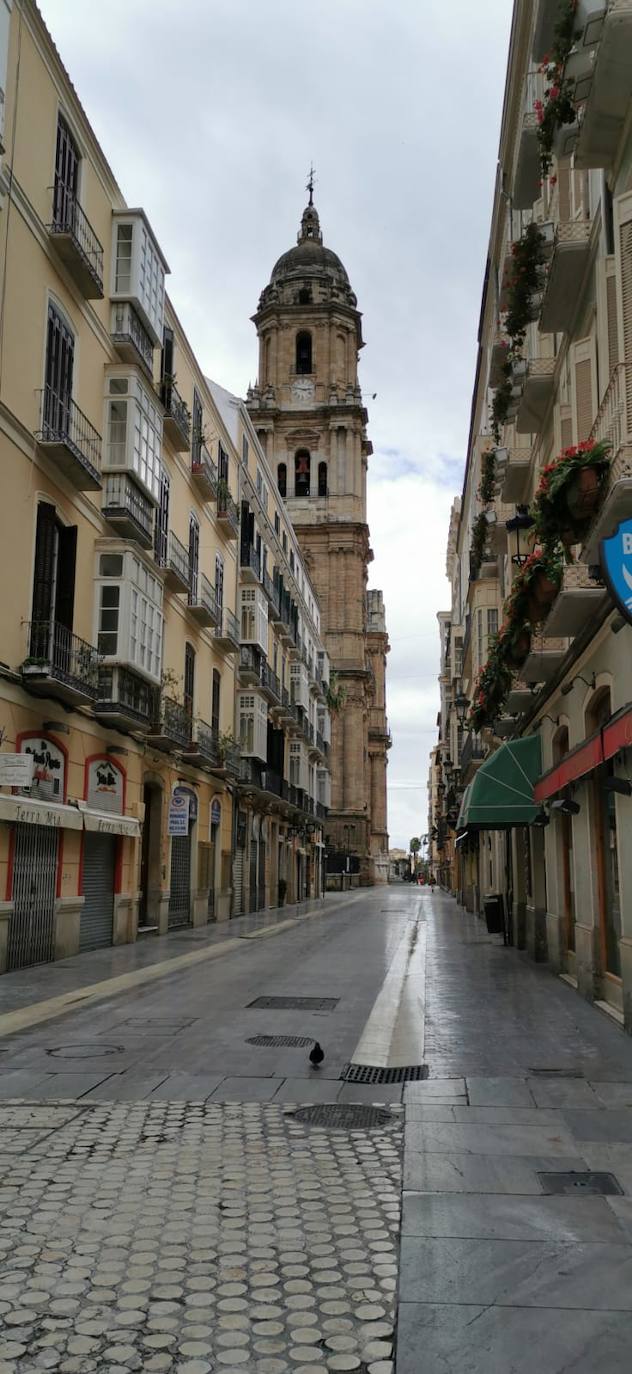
(16, 770)
(178, 823)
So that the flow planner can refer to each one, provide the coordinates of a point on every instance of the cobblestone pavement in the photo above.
(195, 1237)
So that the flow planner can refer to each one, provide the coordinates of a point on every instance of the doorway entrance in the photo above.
(32, 924)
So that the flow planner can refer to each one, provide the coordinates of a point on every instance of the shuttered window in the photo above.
(161, 526)
(67, 160)
(584, 399)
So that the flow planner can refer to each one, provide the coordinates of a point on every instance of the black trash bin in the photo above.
(494, 908)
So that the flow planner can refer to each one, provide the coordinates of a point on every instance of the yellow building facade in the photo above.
(122, 623)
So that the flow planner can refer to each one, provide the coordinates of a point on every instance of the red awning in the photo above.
(603, 745)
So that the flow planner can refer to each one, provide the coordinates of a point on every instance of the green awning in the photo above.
(501, 794)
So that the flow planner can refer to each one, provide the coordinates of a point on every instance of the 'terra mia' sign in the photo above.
(616, 563)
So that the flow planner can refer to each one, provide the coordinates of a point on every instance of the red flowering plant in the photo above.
(492, 687)
(558, 519)
(487, 486)
(558, 106)
(528, 258)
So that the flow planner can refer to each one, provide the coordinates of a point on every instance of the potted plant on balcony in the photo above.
(487, 486)
(541, 578)
(494, 681)
(568, 494)
(529, 257)
(479, 540)
(558, 107)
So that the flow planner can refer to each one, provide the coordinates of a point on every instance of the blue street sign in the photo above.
(616, 564)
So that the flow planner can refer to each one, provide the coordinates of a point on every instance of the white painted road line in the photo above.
(393, 1036)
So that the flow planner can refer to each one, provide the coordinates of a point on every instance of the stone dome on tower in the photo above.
(309, 267)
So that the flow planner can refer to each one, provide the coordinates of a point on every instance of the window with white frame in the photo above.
(129, 613)
(324, 724)
(253, 725)
(133, 433)
(299, 775)
(323, 784)
(254, 618)
(299, 685)
(138, 272)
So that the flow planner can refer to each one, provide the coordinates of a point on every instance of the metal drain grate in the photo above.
(295, 1003)
(369, 1073)
(556, 1073)
(343, 1116)
(292, 1041)
(591, 1184)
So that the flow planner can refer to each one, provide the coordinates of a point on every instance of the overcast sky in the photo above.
(210, 112)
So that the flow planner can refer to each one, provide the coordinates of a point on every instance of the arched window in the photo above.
(304, 351)
(302, 463)
(282, 479)
(322, 479)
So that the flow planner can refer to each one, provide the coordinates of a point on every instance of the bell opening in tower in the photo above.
(304, 352)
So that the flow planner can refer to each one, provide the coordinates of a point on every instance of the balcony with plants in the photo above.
(566, 270)
(612, 502)
(67, 437)
(513, 468)
(74, 240)
(177, 416)
(203, 470)
(227, 511)
(60, 664)
(598, 69)
(171, 728)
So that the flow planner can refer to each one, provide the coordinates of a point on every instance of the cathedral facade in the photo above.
(309, 414)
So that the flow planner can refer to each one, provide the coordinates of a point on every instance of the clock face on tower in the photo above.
(302, 391)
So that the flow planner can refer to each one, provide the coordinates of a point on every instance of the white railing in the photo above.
(611, 422)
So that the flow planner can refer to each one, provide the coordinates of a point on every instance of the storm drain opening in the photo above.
(556, 1073)
(587, 1182)
(295, 1003)
(370, 1073)
(298, 1042)
(344, 1116)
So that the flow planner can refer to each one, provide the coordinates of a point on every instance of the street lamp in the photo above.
(520, 521)
(461, 705)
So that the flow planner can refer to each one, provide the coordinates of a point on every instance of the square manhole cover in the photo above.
(295, 1003)
(588, 1183)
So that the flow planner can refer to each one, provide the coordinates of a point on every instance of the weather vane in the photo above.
(310, 184)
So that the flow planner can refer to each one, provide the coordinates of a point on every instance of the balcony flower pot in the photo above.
(541, 598)
(583, 492)
(517, 651)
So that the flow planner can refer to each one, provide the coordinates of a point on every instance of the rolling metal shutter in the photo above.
(97, 916)
(32, 924)
(180, 884)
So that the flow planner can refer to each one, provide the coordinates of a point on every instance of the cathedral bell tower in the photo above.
(308, 412)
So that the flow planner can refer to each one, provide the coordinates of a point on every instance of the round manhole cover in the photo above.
(84, 1051)
(343, 1116)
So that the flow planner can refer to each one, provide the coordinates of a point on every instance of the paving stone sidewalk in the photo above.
(195, 1238)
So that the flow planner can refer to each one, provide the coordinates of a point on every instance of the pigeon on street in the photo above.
(316, 1056)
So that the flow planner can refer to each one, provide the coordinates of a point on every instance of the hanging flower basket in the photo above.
(582, 496)
(518, 649)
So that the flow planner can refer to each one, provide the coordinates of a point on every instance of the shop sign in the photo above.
(16, 770)
(216, 812)
(48, 768)
(616, 562)
(105, 786)
(178, 823)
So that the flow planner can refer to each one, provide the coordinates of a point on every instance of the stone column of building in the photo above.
(308, 405)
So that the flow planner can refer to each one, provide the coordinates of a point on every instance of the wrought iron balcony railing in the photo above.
(68, 434)
(77, 242)
(177, 415)
(55, 653)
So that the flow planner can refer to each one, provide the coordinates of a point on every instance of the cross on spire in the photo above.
(310, 184)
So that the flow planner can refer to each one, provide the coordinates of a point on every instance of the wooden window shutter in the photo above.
(585, 399)
(44, 570)
(66, 564)
(623, 260)
(612, 321)
(566, 432)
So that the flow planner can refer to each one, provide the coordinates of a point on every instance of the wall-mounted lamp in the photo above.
(461, 706)
(566, 807)
(521, 521)
(59, 727)
(541, 819)
(568, 686)
(621, 785)
(117, 749)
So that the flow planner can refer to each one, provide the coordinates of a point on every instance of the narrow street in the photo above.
(166, 1206)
